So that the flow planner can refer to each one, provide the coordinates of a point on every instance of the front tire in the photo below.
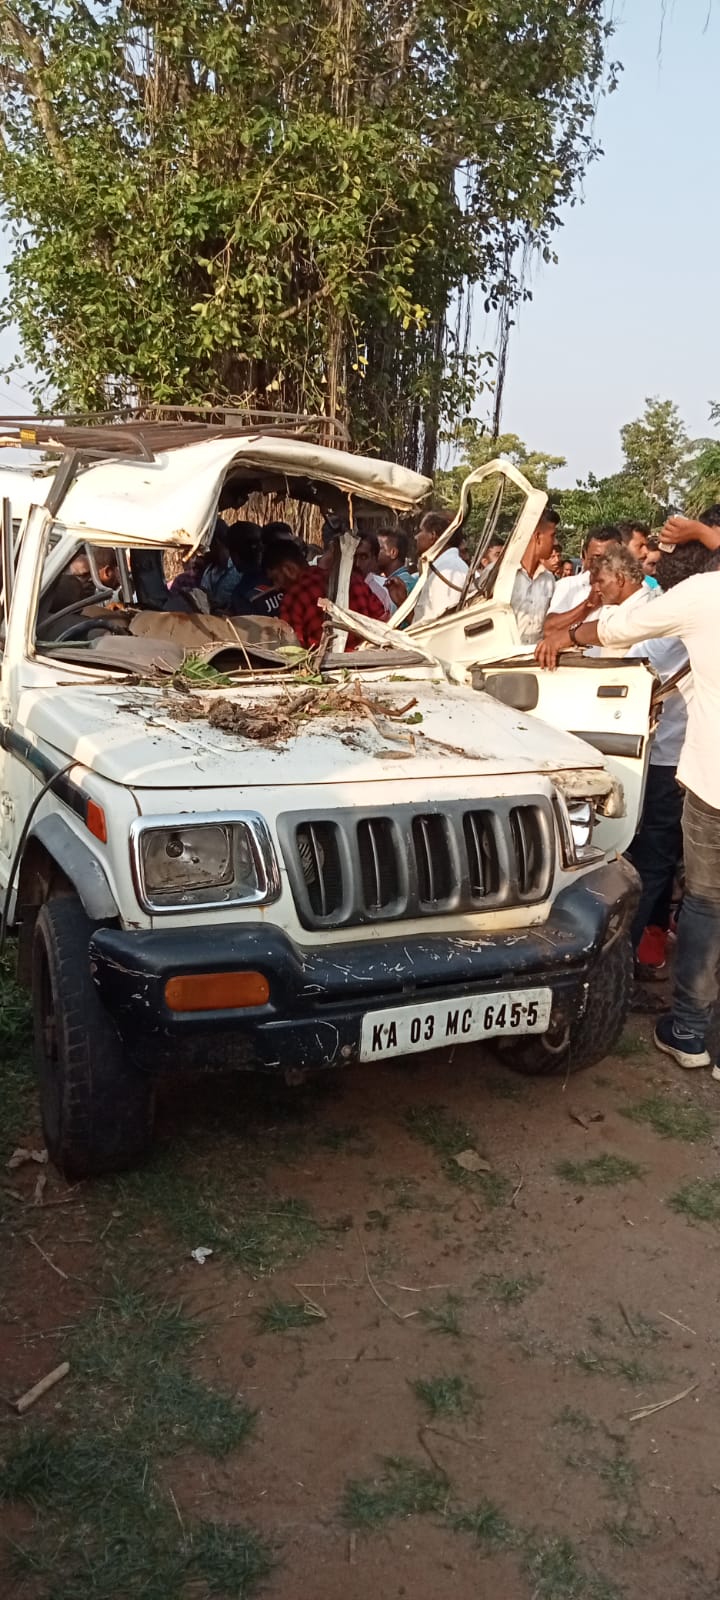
(591, 1036)
(97, 1109)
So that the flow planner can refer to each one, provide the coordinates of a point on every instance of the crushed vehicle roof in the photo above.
(155, 487)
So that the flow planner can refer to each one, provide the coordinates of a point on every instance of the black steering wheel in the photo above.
(86, 625)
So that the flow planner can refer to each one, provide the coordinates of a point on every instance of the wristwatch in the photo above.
(572, 630)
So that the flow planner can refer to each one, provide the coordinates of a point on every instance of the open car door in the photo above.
(606, 702)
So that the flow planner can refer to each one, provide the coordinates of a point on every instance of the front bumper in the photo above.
(319, 996)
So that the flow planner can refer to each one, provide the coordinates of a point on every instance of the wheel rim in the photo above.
(49, 1052)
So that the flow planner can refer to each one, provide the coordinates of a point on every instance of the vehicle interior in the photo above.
(140, 610)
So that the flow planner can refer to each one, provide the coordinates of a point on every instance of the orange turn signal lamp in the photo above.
(216, 991)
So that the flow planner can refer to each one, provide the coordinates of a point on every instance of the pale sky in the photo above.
(631, 308)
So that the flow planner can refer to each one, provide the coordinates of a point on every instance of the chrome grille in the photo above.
(348, 869)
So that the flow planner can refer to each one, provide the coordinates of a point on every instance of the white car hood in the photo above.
(133, 737)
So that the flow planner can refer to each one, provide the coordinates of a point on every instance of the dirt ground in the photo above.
(399, 1377)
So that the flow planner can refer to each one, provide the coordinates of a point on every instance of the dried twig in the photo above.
(352, 1546)
(682, 1325)
(311, 1305)
(516, 1191)
(649, 1411)
(46, 1257)
(177, 1509)
(422, 1441)
(400, 1316)
(48, 1382)
(626, 1320)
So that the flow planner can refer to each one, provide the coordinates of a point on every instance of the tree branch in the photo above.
(37, 67)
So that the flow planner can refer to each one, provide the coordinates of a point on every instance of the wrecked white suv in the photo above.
(266, 867)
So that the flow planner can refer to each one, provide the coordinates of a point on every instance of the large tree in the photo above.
(281, 202)
(657, 450)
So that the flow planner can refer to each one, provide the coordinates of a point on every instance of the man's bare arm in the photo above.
(548, 650)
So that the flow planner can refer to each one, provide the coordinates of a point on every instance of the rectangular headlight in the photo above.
(576, 821)
(184, 862)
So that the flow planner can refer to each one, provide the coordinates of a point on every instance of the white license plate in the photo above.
(404, 1030)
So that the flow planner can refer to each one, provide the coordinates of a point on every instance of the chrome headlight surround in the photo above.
(576, 823)
(249, 876)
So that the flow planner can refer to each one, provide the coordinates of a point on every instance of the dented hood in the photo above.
(144, 738)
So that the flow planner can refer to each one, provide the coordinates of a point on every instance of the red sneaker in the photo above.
(652, 952)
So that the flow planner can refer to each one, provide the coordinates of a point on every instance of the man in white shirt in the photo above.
(689, 611)
(447, 573)
(617, 580)
(574, 592)
(534, 586)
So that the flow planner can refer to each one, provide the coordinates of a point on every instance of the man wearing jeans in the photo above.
(691, 612)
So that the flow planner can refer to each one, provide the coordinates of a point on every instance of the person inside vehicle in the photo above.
(366, 563)
(447, 572)
(74, 585)
(493, 553)
(689, 611)
(393, 564)
(220, 578)
(572, 600)
(302, 586)
(534, 587)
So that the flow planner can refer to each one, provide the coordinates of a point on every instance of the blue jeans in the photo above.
(698, 946)
(657, 849)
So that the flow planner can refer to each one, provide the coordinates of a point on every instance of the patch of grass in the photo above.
(181, 1411)
(487, 1525)
(624, 1531)
(445, 1317)
(577, 1420)
(599, 1172)
(281, 1316)
(507, 1291)
(699, 1200)
(631, 1044)
(555, 1572)
(620, 1476)
(405, 1489)
(448, 1136)
(129, 1352)
(232, 1559)
(106, 1530)
(445, 1396)
(670, 1119)
(17, 1076)
(225, 1208)
(632, 1369)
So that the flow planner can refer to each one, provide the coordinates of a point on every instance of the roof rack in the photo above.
(144, 431)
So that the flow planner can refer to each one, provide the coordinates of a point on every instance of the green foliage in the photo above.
(476, 450)
(699, 1199)
(18, 1081)
(656, 450)
(598, 501)
(280, 204)
(283, 1316)
(445, 1396)
(599, 1172)
(671, 1119)
(404, 1489)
